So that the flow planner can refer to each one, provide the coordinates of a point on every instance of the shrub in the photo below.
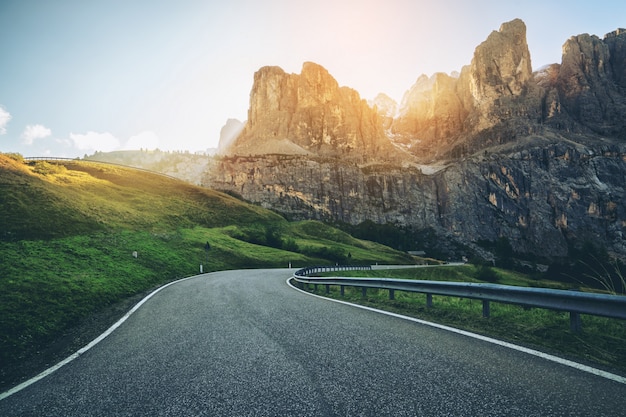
(46, 168)
(486, 273)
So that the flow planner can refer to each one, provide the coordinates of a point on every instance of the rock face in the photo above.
(501, 65)
(432, 115)
(591, 82)
(543, 197)
(386, 107)
(496, 151)
(444, 116)
(616, 42)
(310, 113)
(229, 132)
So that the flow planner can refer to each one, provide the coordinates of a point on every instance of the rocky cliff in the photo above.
(543, 196)
(228, 134)
(497, 98)
(590, 82)
(308, 113)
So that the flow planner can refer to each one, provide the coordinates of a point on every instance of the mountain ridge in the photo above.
(537, 158)
(499, 152)
(444, 116)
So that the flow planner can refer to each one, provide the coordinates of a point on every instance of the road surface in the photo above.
(244, 343)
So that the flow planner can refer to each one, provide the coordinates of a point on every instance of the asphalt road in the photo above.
(243, 343)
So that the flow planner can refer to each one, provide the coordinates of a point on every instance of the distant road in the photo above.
(244, 343)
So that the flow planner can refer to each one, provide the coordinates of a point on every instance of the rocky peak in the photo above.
(590, 82)
(386, 107)
(229, 132)
(616, 42)
(501, 65)
(420, 91)
(316, 86)
(430, 114)
(310, 113)
(442, 113)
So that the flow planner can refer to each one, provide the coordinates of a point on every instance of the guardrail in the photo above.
(574, 302)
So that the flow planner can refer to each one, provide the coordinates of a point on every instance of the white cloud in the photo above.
(5, 116)
(94, 141)
(33, 132)
(144, 140)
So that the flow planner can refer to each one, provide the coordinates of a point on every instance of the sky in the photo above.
(79, 76)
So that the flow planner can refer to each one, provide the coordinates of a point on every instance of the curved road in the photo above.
(243, 343)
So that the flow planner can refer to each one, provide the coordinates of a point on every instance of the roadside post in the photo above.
(207, 248)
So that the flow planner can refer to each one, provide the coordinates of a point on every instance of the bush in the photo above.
(333, 253)
(15, 156)
(486, 273)
(46, 168)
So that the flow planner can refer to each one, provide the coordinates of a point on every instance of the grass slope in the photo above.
(69, 230)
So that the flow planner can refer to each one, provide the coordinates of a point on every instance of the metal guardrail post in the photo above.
(392, 294)
(486, 308)
(575, 323)
(429, 300)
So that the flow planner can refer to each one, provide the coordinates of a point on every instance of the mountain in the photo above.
(497, 98)
(494, 154)
(309, 114)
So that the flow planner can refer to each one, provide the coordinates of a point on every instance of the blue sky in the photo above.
(78, 76)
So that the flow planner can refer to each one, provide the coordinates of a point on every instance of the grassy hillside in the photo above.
(69, 230)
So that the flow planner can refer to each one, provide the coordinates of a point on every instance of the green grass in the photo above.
(602, 341)
(459, 273)
(69, 231)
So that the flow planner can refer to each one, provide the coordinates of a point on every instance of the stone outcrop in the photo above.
(497, 98)
(501, 65)
(444, 116)
(309, 113)
(228, 134)
(591, 82)
(386, 107)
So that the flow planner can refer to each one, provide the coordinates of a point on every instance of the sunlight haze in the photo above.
(81, 76)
